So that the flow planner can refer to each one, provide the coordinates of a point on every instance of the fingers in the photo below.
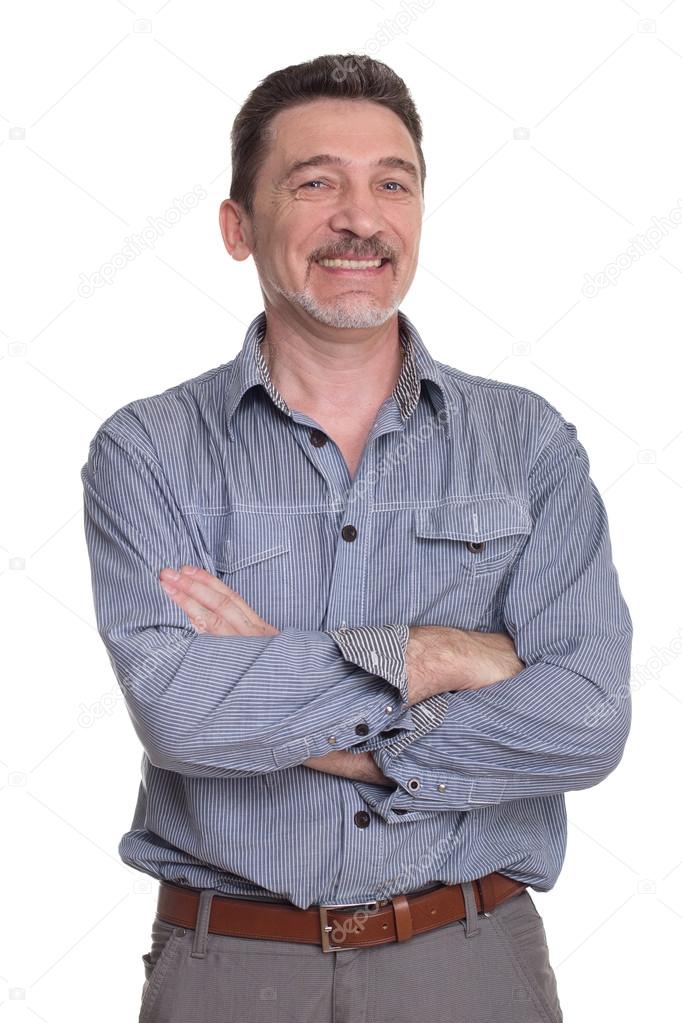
(210, 605)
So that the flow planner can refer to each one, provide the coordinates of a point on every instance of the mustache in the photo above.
(357, 253)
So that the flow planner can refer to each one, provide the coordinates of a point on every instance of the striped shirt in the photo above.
(472, 508)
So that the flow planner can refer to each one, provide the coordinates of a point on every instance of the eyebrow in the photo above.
(320, 159)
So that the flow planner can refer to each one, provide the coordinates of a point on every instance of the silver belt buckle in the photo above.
(326, 928)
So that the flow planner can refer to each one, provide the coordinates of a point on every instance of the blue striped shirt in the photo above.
(472, 508)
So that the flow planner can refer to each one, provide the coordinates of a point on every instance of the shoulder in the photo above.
(510, 411)
(148, 424)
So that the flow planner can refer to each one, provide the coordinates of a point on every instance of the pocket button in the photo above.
(475, 546)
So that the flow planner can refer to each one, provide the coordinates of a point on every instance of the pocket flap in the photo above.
(475, 519)
(235, 539)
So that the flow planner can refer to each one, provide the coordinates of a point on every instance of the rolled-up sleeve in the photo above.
(221, 706)
(562, 722)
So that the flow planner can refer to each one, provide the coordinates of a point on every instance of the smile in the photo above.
(344, 267)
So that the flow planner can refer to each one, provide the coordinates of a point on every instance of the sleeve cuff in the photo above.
(425, 716)
(429, 790)
(379, 649)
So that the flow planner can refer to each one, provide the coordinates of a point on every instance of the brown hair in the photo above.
(337, 76)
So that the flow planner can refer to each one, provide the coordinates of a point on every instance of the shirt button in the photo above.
(331, 740)
(361, 819)
(388, 709)
(475, 546)
(362, 728)
(317, 438)
(441, 787)
(414, 784)
(349, 533)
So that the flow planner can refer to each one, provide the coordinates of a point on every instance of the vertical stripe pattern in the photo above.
(472, 508)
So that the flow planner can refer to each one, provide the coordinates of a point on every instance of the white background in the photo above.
(552, 140)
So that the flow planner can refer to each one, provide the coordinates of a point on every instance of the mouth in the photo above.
(353, 267)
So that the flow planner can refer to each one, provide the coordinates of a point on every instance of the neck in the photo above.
(351, 370)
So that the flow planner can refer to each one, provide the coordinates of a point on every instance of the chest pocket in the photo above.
(250, 543)
(244, 544)
(485, 533)
(463, 551)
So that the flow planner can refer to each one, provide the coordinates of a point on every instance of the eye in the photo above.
(318, 181)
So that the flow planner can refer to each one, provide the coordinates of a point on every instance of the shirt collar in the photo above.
(250, 370)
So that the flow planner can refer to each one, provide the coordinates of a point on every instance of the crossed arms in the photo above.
(437, 659)
(487, 718)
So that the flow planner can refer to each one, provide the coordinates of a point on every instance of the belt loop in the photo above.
(482, 893)
(471, 927)
(201, 923)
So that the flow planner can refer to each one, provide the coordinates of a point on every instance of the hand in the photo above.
(211, 606)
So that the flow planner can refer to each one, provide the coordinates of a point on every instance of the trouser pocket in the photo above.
(164, 942)
(522, 933)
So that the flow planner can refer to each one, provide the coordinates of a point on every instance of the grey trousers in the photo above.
(489, 968)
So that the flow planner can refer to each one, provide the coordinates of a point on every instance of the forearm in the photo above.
(437, 660)
(547, 731)
(346, 764)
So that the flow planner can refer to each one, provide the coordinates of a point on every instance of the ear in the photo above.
(236, 229)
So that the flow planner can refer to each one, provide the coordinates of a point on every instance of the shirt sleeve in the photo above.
(219, 706)
(562, 722)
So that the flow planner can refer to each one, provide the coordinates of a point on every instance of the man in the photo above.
(363, 611)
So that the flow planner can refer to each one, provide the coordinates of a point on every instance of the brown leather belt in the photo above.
(339, 926)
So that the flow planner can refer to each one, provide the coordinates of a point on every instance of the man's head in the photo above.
(363, 200)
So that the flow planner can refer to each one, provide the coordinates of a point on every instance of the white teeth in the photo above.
(351, 264)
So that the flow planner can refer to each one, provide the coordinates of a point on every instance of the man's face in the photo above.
(357, 208)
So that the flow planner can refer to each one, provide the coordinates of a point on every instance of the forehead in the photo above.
(359, 128)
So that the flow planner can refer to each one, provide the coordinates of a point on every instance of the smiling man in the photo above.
(363, 611)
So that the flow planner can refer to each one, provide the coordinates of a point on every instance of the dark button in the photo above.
(361, 818)
(362, 728)
(317, 438)
(349, 533)
(475, 546)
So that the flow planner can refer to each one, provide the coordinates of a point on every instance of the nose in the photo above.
(356, 211)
